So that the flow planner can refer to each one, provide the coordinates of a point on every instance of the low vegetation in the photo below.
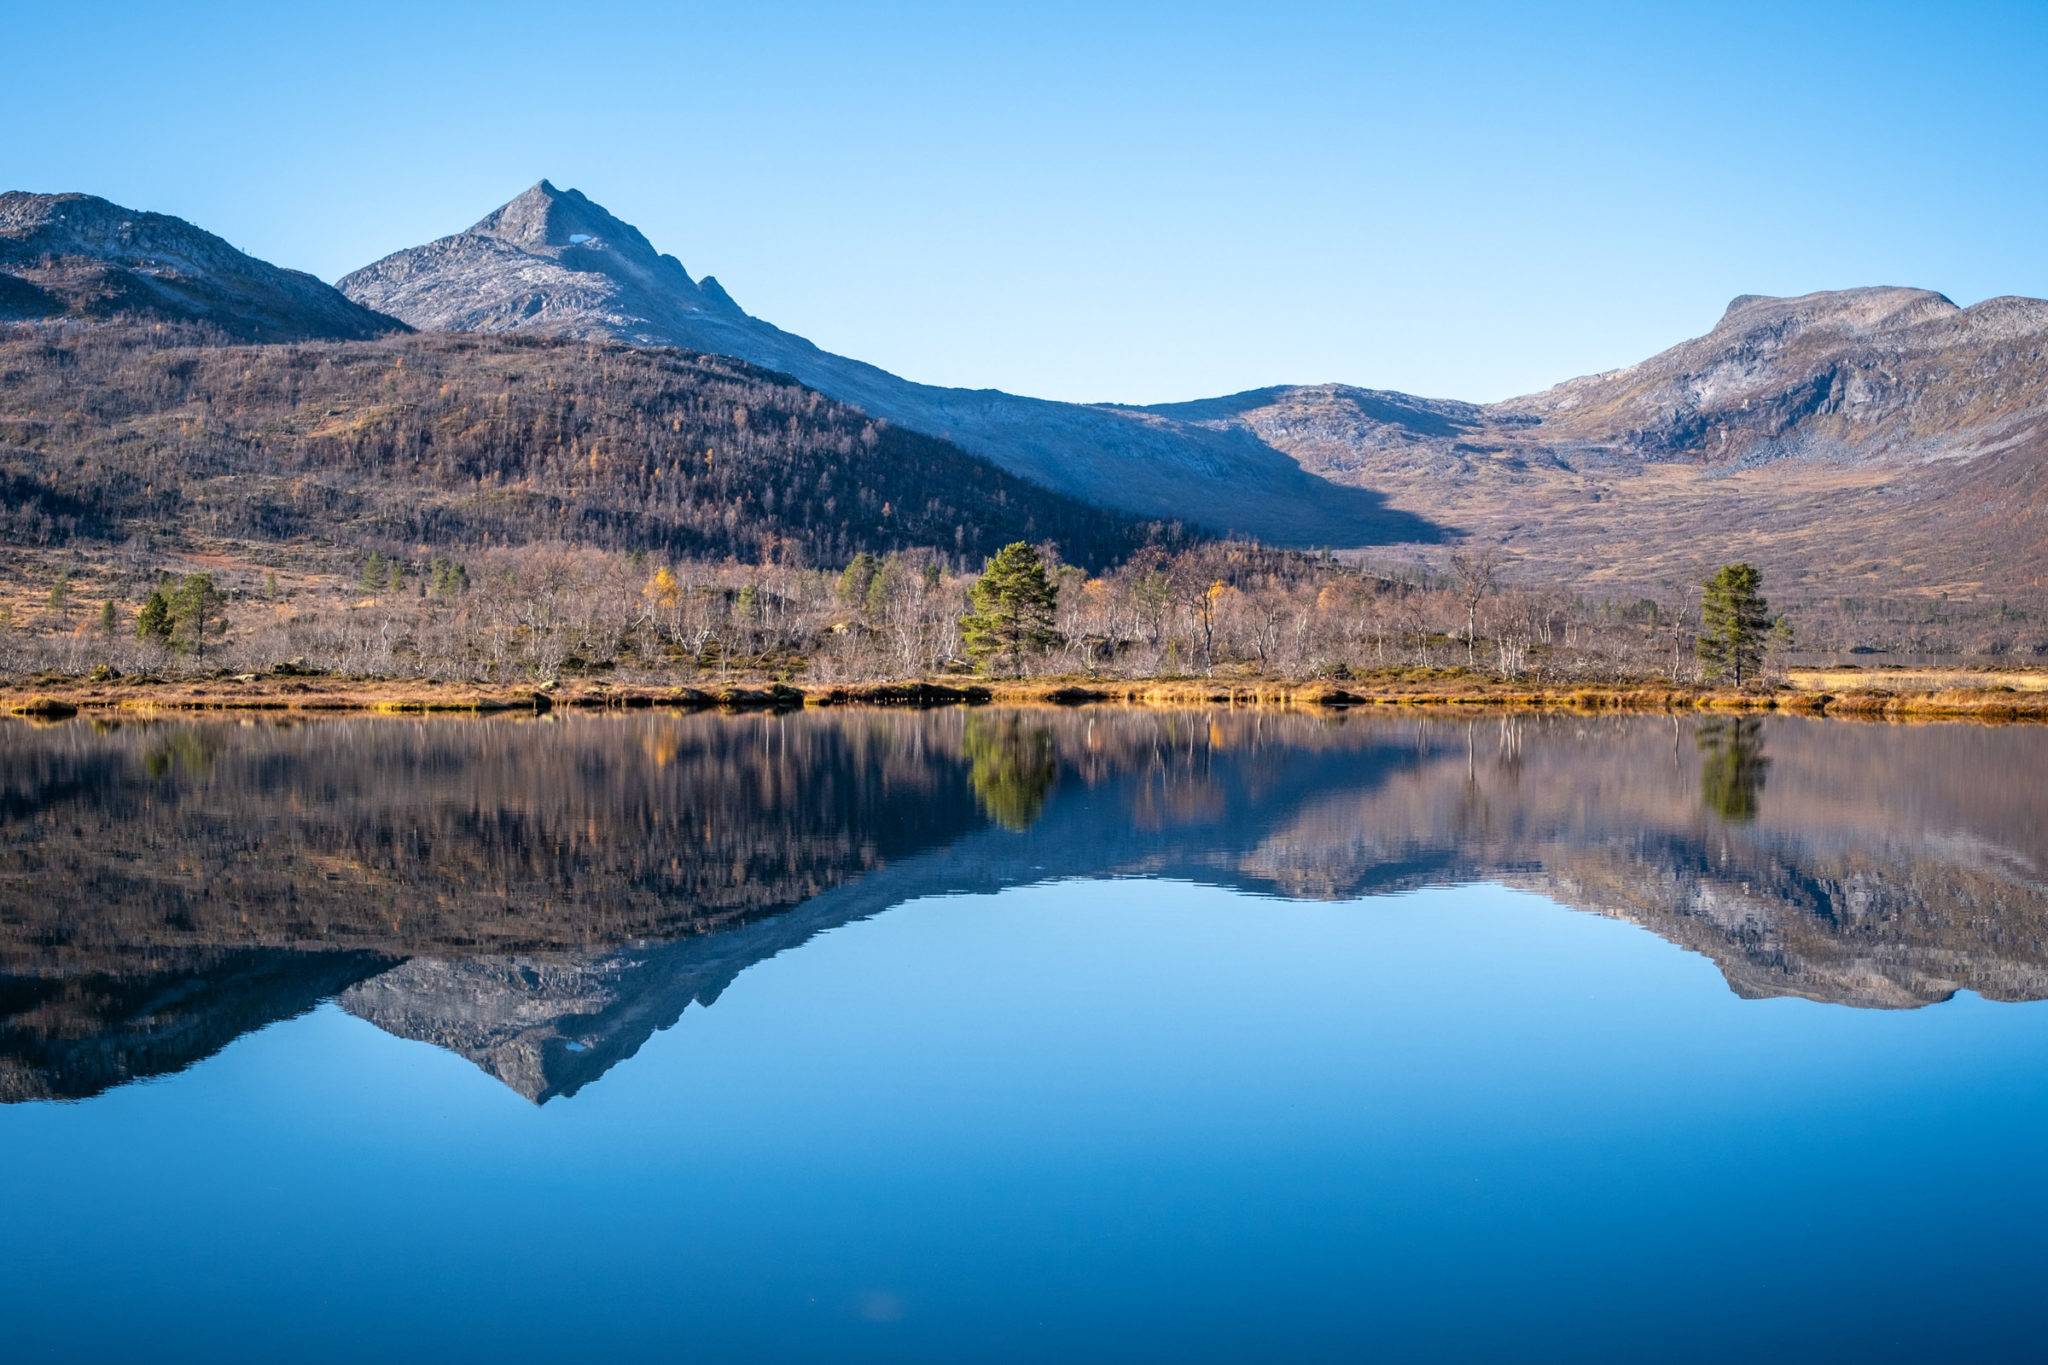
(1227, 615)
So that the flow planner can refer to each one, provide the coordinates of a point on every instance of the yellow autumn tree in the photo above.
(662, 591)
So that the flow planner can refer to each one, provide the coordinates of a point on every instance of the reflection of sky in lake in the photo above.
(1107, 1120)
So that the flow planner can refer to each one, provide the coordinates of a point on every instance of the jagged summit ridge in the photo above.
(77, 255)
(547, 217)
(548, 260)
(1804, 357)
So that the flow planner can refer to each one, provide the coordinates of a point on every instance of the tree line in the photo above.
(1227, 610)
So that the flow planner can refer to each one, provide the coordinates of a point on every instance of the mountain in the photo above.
(69, 1038)
(552, 261)
(1864, 440)
(74, 255)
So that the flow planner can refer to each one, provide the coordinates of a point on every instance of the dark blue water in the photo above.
(1124, 1117)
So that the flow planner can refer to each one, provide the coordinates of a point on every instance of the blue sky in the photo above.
(1133, 202)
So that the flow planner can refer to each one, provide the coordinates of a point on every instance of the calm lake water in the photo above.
(1023, 1036)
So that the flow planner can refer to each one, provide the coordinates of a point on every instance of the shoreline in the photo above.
(2006, 695)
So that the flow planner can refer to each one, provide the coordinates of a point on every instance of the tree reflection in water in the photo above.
(1013, 767)
(1732, 767)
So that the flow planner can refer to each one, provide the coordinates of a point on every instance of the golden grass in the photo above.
(1916, 679)
(1436, 688)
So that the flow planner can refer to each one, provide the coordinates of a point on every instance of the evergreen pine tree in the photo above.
(859, 574)
(154, 622)
(1013, 609)
(1734, 619)
(194, 606)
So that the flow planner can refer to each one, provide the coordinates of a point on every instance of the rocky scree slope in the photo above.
(77, 256)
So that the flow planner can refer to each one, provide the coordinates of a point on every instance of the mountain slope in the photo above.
(1862, 441)
(552, 261)
(74, 255)
(1857, 375)
(118, 434)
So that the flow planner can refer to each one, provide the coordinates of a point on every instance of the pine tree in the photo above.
(194, 606)
(876, 603)
(1734, 619)
(109, 619)
(854, 582)
(1013, 609)
(154, 622)
(449, 578)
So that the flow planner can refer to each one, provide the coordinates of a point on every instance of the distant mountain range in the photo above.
(1862, 441)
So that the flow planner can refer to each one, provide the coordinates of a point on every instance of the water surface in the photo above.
(1022, 1035)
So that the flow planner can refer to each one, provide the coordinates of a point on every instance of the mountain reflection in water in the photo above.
(542, 896)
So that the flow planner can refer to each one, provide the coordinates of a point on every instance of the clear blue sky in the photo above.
(1087, 201)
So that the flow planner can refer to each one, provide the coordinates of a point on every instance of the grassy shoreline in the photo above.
(2006, 695)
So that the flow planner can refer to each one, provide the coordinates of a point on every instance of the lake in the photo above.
(1023, 1035)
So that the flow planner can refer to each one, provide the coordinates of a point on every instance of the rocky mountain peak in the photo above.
(80, 256)
(553, 261)
(545, 217)
(1852, 312)
(548, 260)
(54, 225)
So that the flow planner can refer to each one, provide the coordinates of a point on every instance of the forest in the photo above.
(155, 438)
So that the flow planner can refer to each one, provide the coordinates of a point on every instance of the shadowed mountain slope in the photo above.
(113, 434)
(77, 256)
